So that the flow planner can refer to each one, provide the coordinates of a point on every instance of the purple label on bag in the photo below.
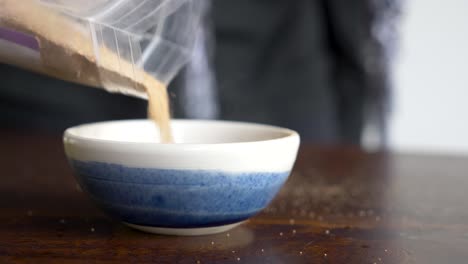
(19, 38)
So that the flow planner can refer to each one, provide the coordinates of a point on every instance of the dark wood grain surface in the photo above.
(339, 206)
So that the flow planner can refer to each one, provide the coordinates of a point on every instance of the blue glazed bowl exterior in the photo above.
(177, 198)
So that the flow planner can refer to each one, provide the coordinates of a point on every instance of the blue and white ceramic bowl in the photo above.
(217, 174)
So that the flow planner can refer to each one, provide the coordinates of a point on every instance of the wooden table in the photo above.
(339, 206)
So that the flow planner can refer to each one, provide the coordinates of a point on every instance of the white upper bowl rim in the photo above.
(72, 133)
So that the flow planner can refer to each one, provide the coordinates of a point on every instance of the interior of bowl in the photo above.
(184, 131)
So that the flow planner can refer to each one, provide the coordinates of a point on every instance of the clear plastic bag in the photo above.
(114, 44)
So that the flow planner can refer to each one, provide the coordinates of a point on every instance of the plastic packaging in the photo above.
(112, 44)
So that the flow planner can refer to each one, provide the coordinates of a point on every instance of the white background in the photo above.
(430, 100)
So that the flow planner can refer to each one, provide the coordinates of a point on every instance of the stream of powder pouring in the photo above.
(159, 110)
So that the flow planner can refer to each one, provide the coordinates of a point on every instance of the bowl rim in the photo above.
(288, 134)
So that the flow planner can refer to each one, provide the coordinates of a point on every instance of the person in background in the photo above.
(320, 67)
